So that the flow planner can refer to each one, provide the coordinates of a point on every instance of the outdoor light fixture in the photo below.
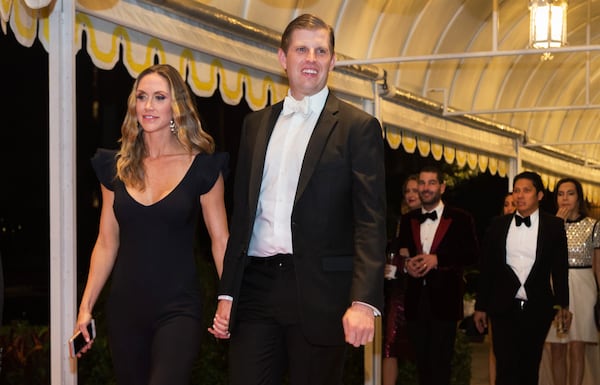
(547, 23)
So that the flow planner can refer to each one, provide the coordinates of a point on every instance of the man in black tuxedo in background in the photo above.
(524, 278)
(441, 241)
(303, 270)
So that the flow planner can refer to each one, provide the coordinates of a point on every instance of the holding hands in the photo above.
(220, 326)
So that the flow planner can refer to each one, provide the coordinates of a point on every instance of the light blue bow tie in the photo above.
(291, 105)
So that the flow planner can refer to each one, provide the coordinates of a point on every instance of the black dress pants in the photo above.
(518, 340)
(268, 336)
(433, 343)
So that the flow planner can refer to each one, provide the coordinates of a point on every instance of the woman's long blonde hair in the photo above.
(189, 132)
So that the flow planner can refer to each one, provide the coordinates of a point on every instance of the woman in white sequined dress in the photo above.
(583, 235)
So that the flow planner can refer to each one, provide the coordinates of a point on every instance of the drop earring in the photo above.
(172, 126)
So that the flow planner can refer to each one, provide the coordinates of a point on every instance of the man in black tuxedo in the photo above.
(524, 278)
(441, 241)
(303, 270)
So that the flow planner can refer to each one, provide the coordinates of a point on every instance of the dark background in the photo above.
(101, 103)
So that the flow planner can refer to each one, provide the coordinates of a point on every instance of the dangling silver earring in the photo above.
(172, 126)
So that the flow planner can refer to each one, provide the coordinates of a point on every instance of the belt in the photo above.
(277, 260)
(520, 303)
(581, 267)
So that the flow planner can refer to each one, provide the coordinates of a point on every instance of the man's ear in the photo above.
(282, 58)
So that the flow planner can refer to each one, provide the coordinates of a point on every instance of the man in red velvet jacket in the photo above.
(441, 241)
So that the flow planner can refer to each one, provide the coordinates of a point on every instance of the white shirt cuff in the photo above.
(225, 297)
(376, 311)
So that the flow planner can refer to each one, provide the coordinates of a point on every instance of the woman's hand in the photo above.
(563, 213)
(220, 326)
(83, 319)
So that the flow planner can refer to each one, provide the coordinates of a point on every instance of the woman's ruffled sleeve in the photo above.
(104, 163)
(208, 168)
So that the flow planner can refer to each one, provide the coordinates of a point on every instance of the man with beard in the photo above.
(441, 241)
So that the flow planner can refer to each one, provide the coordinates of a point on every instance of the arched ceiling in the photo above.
(553, 102)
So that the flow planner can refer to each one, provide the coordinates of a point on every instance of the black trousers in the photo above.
(433, 343)
(163, 356)
(518, 340)
(268, 336)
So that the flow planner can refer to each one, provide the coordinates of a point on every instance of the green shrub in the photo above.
(25, 354)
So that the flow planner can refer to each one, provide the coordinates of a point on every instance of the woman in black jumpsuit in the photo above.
(165, 175)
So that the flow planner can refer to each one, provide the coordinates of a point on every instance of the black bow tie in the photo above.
(424, 216)
(519, 220)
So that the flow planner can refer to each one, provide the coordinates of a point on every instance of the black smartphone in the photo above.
(77, 341)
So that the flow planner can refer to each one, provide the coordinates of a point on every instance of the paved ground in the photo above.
(479, 363)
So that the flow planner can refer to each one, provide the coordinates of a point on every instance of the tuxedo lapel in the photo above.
(259, 152)
(539, 248)
(317, 143)
(440, 232)
(416, 233)
(512, 276)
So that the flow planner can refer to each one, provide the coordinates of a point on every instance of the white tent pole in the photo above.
(515, 165)
(372, 352)
(62, 150)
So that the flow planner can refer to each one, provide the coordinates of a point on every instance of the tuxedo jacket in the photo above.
(547, 284)
(456, 246)
(338, 216)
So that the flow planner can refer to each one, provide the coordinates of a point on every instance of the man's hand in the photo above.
(421, 264)
(480, 319)
(563, 317)
(359, 324)
(220, 326)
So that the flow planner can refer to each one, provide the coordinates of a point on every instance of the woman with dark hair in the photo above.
(509, 206)
(154, 189)
(583, 237)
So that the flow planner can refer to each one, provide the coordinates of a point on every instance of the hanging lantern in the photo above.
(547, 23)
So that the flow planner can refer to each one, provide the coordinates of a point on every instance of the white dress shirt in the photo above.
(521, 248)
(272, 232)
(429, 227)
